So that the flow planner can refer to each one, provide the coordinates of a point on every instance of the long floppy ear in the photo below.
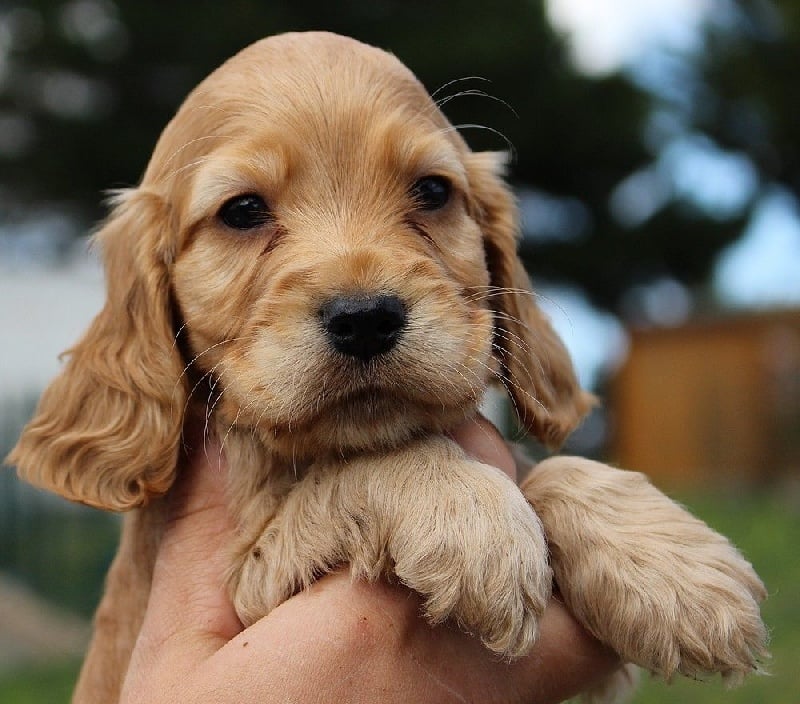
(106, 431)
(535, 365)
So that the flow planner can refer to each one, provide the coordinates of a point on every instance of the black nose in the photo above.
(364, 326)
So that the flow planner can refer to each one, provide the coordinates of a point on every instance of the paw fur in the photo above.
(654, 583)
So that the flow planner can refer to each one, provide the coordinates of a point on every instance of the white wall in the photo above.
(42, 312)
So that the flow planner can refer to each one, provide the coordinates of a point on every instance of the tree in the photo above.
(90, 83)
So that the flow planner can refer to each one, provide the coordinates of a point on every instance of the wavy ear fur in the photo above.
(536, 368)
(107, 429)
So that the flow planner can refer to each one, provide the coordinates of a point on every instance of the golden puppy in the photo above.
(316, 260)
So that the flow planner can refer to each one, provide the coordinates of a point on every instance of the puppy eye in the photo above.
(431, 192)
(245, 212)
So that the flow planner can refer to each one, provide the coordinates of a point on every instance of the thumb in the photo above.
(481, 440)
(189, 607)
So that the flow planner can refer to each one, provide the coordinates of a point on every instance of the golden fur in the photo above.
(337, 461)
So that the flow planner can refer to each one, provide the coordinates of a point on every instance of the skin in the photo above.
(339, 640)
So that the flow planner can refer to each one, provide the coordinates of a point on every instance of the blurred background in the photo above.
(656, 157)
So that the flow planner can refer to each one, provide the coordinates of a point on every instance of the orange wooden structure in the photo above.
(714, 401)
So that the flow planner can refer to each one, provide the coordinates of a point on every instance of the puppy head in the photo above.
(342, 266)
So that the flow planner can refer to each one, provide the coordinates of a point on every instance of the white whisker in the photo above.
(470, 126)
(458, 80)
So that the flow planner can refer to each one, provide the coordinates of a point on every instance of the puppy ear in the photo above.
(535, 366)
(106, 431)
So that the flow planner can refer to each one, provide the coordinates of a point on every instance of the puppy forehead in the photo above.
(312, 69)
(313, 89)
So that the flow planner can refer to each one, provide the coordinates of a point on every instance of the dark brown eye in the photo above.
(431, 192)
(245, 212)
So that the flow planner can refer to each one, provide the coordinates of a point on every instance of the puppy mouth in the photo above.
(368, 401)
(366, 418)
(363, 387)
(380, 392)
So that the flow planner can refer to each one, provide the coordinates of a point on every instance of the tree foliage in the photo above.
(89, 84)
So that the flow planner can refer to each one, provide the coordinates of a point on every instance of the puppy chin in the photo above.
(366, 421)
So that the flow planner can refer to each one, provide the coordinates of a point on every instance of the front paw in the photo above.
(457, 532)
(644, 576)
(301, 542)
(718, 628)
(265, 575)
(481, 559)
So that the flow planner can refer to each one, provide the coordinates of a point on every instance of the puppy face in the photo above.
(329, 272)
(340, 265)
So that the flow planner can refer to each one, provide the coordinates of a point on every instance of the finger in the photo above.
(565, 661)
(188, 596)
(347, 624)
(481, 440)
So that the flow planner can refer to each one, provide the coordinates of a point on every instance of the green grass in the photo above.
(46, 684)
(766, 526)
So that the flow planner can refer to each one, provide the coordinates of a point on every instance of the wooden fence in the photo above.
(716, 401)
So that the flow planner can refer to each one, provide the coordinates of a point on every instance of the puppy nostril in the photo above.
(341, 326)
(364, 326)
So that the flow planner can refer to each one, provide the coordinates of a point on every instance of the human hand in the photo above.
(339, 640)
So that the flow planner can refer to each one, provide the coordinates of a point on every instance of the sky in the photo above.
(760, 270)
(43, 310)
(605, 34)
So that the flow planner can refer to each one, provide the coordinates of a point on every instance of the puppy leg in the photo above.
(121, 611)
(644, 576)
(465, 540)
(457, 532)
